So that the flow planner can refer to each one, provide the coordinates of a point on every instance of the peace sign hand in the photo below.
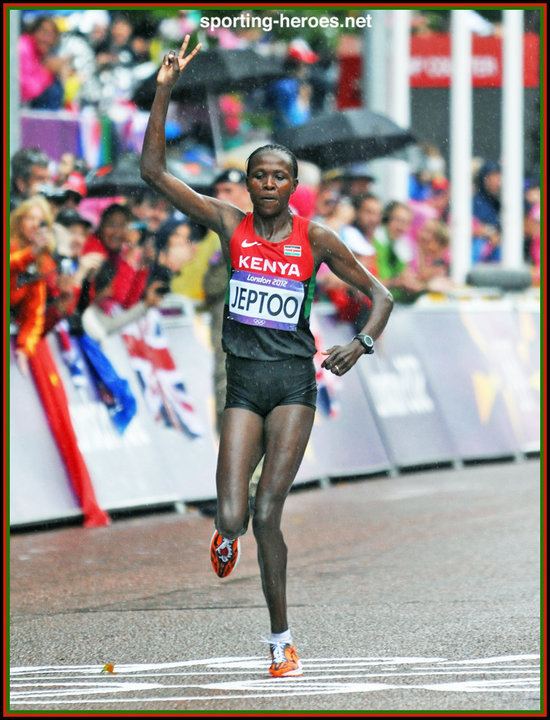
(173, 65)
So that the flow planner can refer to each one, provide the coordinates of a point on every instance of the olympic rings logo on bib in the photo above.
(265, 301)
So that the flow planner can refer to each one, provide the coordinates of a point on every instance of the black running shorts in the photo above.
(261, 385)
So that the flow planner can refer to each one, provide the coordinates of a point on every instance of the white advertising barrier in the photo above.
(527, 350)
(345, 440)
(481, 359)
(151, 463)
(447, 382)
(404, 402)
(39, 486)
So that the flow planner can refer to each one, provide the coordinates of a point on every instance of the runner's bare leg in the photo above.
(287, 431)
(241, 448)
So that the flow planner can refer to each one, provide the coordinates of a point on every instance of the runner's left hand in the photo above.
(342, 358)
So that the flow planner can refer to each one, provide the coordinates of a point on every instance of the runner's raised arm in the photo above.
(221, 217)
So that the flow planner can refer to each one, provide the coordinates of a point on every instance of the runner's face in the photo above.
(270, 183)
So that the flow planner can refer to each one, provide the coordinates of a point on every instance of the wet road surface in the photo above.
(419, 592)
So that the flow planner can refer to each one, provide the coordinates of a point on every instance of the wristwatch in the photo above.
(367, 342)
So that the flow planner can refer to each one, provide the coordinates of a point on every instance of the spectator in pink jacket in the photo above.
(41, 72)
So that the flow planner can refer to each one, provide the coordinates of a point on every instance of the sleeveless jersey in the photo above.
(268, 302)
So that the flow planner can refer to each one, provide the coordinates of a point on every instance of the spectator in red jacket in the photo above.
(112, 241)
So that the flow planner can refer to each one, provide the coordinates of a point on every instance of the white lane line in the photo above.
(498, 658)
(107, 682)
(473, 686)
(65, 680)
(254, 662)
(323, 676)
(260, 665)
(141, 666)
(363, 688)
(318, 681)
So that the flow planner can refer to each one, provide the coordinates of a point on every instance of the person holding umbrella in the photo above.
(271, 395)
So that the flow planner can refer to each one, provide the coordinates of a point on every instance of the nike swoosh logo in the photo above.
(246, 244)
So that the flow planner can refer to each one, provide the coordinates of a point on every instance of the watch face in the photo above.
(368, 341)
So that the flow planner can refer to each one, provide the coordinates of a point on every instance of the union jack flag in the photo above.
(162, 384)
(94, 377)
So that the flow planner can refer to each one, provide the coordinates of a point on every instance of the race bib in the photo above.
(265, 301)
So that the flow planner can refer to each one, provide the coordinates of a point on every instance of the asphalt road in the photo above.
(413, 593)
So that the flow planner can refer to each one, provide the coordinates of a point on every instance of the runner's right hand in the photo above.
(173, 65)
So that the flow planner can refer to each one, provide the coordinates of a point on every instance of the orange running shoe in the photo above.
(224, 554)
(285, 661)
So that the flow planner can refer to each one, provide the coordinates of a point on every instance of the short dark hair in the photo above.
(40, 20)
(166, 230)
(389, 209)
(358, 200)
(112, 210)
(122, 16)
(146, 195)
(230, 175)
(24, 160)
(160, 273)
(277, 148)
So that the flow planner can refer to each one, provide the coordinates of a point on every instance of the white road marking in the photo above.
(43, 686)
(349, 672)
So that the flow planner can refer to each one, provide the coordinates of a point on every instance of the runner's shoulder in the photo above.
(231, 217)
(322, 238)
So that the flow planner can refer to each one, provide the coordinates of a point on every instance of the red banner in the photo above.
(431, 60)
(431, 64)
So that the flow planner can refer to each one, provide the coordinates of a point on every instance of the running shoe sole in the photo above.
(216, 563)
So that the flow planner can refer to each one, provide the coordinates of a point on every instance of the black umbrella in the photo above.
(336, 138)
(213, 72)
(123, 178)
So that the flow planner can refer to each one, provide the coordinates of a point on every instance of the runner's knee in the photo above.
(267, 514)
(231, 524)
